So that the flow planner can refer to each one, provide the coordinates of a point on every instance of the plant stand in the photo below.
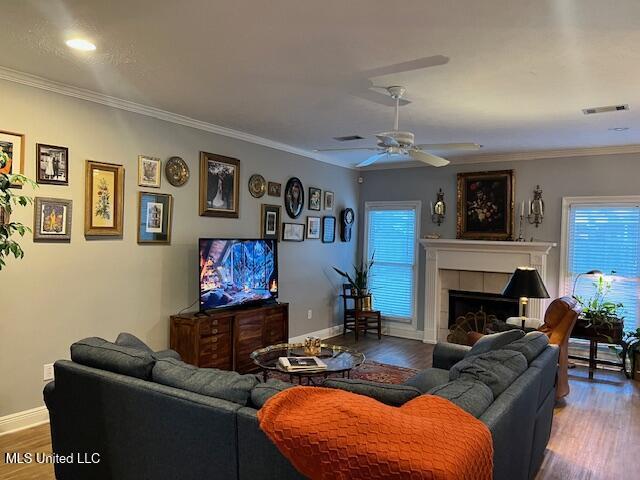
(636, 366)
(611, 336)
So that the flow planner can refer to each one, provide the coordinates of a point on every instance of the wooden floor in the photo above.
(596, 432)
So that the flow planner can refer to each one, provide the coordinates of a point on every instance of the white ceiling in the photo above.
(519, 73)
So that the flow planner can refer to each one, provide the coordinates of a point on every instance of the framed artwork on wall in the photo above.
(149, 169)
(219, 186)
(52, 164)
(154, 217)
(485, 205)
(348, 217)
(328, 229)
(292, 232)
(274, 189)
(13, 145)
(52, 220)
(294, 197)
(270, 221)
(328, 200)
(313, 228)
(103, 199)
(315, 198)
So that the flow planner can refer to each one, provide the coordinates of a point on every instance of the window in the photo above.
(391, 235)
(604, 234)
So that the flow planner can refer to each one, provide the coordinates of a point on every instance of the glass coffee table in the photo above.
(339, 360)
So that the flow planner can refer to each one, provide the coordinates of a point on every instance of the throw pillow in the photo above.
(495, 341)
(531, 345)
(428, 378)
(223, 384)
(497, 369)
(99, 353)
(394, 395)
(470, 395)
(129, 340)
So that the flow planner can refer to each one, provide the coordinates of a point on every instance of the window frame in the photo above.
(415, 205)
(567, 203)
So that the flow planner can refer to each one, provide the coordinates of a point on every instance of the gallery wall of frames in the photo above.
(219, 194)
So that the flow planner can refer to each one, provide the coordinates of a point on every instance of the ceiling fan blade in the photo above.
(408, 66)
(343, 149)
(428, 158)
(387, 141)
(449, 146)
(375, 96)
(371, 159)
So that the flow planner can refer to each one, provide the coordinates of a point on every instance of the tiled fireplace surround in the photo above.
(485, 282)
(475, 266)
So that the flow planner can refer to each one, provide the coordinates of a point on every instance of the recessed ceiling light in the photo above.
(619, 129)
(81, 44)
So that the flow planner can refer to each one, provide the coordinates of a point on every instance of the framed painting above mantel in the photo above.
(485, 205)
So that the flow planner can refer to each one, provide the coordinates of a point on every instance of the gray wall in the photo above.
(60, 293)
(558, 177)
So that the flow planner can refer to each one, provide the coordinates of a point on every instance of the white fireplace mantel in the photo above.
(480, 256)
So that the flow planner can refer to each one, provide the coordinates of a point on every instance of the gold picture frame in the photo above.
(104, 199)
(13, 143)
(485, 202)
(219, 186)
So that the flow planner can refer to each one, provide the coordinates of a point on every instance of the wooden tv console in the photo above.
(225, 339)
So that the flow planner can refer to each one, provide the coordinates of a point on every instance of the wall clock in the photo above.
(348, 217)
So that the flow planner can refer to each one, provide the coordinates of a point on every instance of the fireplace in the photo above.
(462, 302)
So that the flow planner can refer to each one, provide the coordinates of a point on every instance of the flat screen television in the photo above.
(236, 272)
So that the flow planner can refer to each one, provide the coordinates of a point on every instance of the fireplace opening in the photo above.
(462, 302)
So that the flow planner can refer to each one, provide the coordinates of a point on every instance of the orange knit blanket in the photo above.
(333, 434)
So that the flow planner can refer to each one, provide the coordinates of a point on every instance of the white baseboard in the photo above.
(21, 420)
(322, 334)
(396, 331)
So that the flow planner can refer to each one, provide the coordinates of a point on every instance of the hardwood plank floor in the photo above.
(596, 432)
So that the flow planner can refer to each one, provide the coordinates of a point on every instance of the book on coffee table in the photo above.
(301, 364)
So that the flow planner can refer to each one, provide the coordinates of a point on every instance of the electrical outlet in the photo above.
(309, 314)
(47, 372)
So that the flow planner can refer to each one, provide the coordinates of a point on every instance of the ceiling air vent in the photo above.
(348, 138)
(609, 108)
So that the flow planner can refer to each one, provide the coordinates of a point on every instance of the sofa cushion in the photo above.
(264, 391)
(494, 341)
(394, 395)
(99, 353)
(472, 396)
(496, 369)
(428, 378)
(531, 345)
(230, 386)
(129, 340)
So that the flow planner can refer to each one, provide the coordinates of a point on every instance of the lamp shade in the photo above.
(525, 282)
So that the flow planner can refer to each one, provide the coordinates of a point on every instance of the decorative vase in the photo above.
(367, 303)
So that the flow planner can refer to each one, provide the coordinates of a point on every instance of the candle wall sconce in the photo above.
(439, 209)
(536, 208)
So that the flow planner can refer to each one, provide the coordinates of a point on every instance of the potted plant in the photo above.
(359, 282)
(600, 316)
(632, 340)
(8, 200)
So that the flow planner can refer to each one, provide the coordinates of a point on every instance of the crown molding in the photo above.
(519, 156)
(42, 83)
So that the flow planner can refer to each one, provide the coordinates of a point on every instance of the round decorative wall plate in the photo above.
(176, 171)
(257, 185)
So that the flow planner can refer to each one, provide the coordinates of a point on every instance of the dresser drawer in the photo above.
(214, 326)
(215, 343)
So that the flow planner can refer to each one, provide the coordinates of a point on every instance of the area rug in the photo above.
(369, 370)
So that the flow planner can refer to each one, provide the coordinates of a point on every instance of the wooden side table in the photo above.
(615, 338)
(357, 318)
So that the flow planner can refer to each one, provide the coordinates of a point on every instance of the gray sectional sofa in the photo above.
(150, 416)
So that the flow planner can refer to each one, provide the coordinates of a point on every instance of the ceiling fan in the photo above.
(401, 144)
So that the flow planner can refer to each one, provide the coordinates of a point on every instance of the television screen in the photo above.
(234, 272)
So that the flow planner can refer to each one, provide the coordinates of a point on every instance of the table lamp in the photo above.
(525, 283)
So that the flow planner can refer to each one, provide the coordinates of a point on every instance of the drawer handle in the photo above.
(215, 355)
(214, 339)
(214, 322)
(214, 331)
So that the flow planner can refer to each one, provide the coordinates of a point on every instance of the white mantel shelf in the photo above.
(480, 256)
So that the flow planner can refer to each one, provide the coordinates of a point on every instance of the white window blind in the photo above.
(391, 236)
(606, 237)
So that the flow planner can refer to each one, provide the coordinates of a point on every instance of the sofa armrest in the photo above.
(446, 355)
(166, 354)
